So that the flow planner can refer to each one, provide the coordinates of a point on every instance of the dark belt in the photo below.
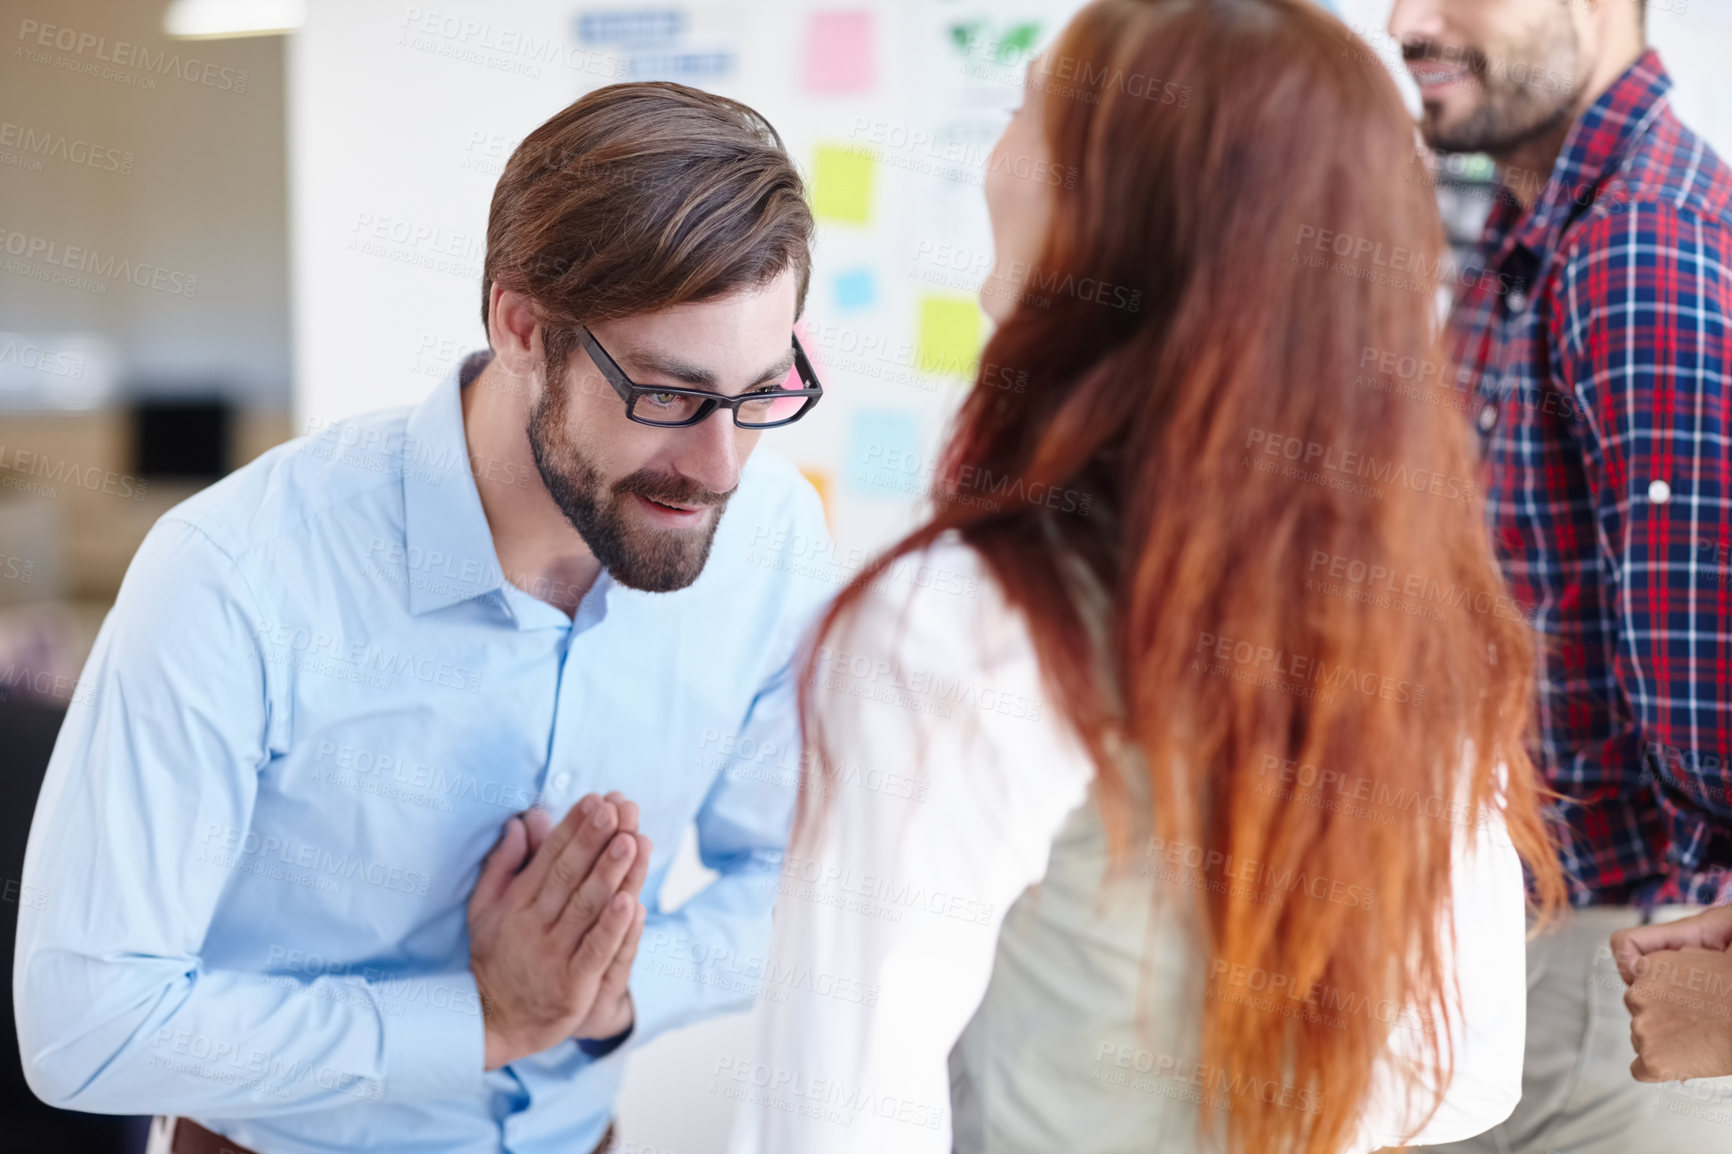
(191, 1138)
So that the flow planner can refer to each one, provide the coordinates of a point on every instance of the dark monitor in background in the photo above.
(183, 437)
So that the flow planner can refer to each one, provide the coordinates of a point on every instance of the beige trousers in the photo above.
(1578, 1096)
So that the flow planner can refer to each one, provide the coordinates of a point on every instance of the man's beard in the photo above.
(653, 560)
(1522, 98)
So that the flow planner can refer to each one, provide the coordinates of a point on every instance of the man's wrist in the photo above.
(602, 1047)
(498, 1051)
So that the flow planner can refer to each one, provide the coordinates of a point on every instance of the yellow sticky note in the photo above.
(948, 336)
(843, 180)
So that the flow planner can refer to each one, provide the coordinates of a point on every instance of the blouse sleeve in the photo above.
(954, 777)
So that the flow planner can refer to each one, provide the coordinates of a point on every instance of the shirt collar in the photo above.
(449, 555)
(1596, 146)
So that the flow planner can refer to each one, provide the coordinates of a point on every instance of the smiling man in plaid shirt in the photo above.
(1598, 337)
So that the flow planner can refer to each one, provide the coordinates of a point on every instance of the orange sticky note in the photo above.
(821, 481)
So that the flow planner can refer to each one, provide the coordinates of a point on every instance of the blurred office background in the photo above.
(209, 244)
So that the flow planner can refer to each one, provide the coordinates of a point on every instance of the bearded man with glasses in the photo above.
(357, 838)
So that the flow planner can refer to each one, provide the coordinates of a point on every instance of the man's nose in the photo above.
(709, 452)
(1417, 19)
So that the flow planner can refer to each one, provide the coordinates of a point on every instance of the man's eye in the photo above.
(663, 399)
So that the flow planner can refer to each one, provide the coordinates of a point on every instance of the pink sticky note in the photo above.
(839, 52)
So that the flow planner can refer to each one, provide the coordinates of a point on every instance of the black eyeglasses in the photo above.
(672, 408)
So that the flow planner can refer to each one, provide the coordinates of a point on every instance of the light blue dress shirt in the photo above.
(314, 705)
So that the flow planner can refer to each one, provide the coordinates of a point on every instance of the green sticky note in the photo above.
(843, 180)
(948, 340)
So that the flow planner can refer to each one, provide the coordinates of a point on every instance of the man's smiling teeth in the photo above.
(1431, 73)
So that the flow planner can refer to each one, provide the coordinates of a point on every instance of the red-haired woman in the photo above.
(1168, 789)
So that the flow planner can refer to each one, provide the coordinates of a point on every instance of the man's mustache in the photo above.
(670, 490)
(1432, 52)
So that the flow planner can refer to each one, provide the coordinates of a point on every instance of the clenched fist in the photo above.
(1680, 996)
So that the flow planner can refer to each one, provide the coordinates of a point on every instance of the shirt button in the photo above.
(1487, 418)
(1518, 301)
(1659, 493)
(561, 780)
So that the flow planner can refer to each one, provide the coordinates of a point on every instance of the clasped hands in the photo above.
(554, 925)
(1680, 995)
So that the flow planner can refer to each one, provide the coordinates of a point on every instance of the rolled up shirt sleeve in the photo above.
(151, 783)
(1643, 335)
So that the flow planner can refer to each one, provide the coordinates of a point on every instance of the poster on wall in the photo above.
(976, 53)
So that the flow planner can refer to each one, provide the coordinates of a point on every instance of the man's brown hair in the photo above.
(638, 197)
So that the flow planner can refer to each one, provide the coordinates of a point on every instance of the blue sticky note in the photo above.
(630, 28)
(672, 65)
(884, 458)
(855, 290)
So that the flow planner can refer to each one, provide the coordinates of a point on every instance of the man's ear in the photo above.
(513, 331)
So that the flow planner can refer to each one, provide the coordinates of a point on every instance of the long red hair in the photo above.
(1262, 428)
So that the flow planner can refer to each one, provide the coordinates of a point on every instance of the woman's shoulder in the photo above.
(934, 633)
(932, 668)
(942, 603)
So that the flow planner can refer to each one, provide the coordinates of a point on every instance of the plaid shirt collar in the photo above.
(1596, 147)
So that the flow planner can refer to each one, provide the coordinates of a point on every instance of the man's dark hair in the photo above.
(638, 197)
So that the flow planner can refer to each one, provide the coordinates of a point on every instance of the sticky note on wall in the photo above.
(839, 52)
(842, 179)
(947, 336)
(821, 480)
(884, 455)
(855, 289)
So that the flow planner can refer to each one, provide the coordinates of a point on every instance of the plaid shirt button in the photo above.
(1659, 493)
(1487, 418)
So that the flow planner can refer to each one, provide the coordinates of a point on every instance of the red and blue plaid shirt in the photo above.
(1600, 352)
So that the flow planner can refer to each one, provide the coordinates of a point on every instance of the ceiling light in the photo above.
(226, 19)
